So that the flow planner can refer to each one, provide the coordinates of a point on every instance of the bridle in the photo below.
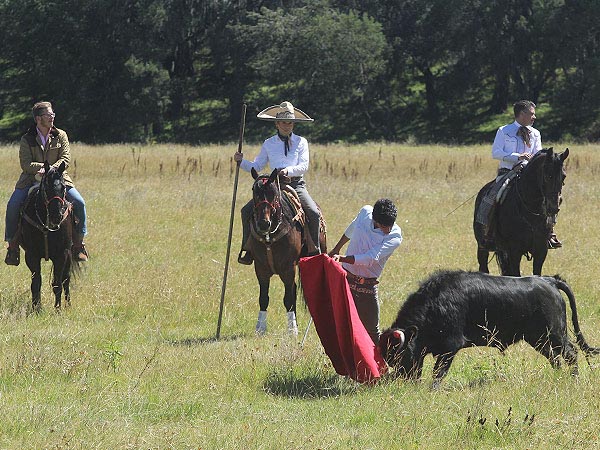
(64, 206)
(275, 209)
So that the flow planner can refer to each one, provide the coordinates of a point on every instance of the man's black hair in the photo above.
(385, 212)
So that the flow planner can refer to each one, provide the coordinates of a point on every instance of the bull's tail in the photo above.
(585, 347)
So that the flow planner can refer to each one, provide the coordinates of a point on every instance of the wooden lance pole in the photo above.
(235, 184)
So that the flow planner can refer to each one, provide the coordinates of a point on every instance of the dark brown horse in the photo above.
(523, 219)
(276, 240)
(47, 230)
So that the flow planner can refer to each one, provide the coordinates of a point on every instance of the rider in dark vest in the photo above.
(289, 153)
(42, 142)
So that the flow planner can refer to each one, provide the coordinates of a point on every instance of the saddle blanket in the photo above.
(342, 334)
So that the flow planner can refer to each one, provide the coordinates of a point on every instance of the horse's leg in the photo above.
(35, 266)
(289, 299)
(539, 258)
(57, 281)
(482, 259)
(514, 264)
(263, 275)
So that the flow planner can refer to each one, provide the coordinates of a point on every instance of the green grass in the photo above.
(134, 364)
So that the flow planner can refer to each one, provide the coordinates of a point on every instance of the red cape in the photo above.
(338, 325)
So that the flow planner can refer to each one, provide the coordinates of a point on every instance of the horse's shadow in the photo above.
(197, 341)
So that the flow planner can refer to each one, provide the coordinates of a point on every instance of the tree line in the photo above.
(398, 70)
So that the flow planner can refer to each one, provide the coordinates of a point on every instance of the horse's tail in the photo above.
(585, 347)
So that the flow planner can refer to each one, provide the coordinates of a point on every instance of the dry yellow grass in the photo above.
(132, 363)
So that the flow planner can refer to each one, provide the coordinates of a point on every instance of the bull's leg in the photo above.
(549, 351)
(35, 266)
(441, 367)
(569, 353)
(482, 259)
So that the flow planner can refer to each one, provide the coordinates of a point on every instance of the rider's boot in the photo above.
(78, 250)
(261, 323)
(245, 257)
(13, 254)
(553, 241)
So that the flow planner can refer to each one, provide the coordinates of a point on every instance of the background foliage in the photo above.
(396, 70)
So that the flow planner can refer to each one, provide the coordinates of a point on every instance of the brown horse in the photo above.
(522, 220)
(277, 241)
(46, 228)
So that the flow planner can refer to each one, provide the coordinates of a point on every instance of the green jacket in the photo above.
(32, 155)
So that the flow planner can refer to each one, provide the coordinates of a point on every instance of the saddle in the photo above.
(495, 194)
(300, 216)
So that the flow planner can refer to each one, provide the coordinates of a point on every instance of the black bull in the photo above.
(454, 310)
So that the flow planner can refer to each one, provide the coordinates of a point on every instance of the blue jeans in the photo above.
(19, 196)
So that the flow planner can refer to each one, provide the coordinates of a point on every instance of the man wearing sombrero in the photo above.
(286, 151)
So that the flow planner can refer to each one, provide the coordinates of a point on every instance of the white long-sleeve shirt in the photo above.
(273, 153)
(370, 246)
(507, 146)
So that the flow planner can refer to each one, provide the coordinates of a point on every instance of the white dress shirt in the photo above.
(370, 246)
(273, 153)
(508, 146)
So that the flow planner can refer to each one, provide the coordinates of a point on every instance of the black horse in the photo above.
(47, 232)
(276, 240)
(522, 221)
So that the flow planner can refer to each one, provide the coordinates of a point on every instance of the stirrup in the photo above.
(13, 256)
(245, 258)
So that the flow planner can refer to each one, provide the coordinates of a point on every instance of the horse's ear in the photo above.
(273, 175)
(62, 167)
(550, 151)
(564, 155)
(46, 166)
(254, 173)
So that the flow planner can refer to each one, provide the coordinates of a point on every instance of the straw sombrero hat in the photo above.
(285, 112)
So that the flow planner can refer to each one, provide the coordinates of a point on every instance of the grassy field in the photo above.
(133, 362)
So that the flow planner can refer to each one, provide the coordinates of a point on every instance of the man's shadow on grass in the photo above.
(286, 384)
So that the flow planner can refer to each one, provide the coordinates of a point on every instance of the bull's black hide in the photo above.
(454, 310)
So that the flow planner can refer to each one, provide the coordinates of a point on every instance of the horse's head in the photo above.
(54, 191)
(266, 196)
(553, 180)
(550, 174)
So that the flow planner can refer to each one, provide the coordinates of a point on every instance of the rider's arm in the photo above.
(504, 148)
(28, 165)
(259, 162)
(302, 166)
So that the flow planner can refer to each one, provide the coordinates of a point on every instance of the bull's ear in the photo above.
(273, 175)
(254, 173)
(411, 333)
(564, 155)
